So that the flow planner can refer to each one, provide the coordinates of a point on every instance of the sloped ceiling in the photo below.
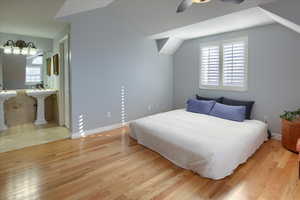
(36, 17)
(157, 16)
(231, 22)
(158, 19)
(288, 9)
(31, 17)
(71, 7)
(285, 12)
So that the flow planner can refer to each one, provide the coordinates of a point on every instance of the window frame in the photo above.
(207, 45)
(221, 44)
(33, 82)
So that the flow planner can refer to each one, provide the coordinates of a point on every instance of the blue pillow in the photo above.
(234, 113)
(198, 106)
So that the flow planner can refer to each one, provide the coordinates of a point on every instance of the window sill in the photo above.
(224, 89)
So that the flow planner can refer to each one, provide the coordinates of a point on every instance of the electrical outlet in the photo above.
(108, 114)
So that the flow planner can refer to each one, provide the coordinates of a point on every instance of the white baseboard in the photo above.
(97, 130)
(276, 136)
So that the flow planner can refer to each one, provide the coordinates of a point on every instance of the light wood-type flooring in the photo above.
(111, 166)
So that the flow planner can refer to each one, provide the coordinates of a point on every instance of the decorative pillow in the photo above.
(248, 104)
(219, 100)
(197, 106)
(234, 113)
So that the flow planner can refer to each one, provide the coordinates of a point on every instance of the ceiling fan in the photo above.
(185, 4)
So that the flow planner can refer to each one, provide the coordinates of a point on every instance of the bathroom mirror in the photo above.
(21, 71)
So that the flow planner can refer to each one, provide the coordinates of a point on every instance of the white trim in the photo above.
(171, 46)
(65, 68)
(283, 21)
(97, 130)
(246, 56)
(61, 58)
(66, 37)
(221, 44)
(209, 45)
(276, 136)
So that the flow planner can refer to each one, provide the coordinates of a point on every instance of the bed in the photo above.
(210, 146)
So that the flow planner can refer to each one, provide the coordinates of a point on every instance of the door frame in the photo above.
(64, 82)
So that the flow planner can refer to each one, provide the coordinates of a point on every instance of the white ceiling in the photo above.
(235, 21)
(71, 7)
(31, 17)
(36, 17)
(158, 16)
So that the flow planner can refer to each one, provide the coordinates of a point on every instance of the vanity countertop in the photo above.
(21, 108)
(8, 94)
(37, 92)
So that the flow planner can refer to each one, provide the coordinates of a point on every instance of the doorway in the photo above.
(64, 82)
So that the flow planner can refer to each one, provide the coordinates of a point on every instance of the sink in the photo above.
(40, 95)
(4, 95)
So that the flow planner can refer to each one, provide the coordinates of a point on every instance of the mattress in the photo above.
(207, 145)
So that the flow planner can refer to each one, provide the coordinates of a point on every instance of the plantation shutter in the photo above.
(210, 66)
(234, 64)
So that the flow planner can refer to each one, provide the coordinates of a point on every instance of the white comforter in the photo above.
(210, 146)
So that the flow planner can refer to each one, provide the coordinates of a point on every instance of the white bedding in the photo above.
(209, 146)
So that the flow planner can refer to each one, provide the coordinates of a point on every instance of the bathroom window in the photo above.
(33, 75)
(37, 61)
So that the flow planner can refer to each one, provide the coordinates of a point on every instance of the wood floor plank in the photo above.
(110, 166)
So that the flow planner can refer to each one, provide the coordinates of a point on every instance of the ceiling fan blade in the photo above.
(234, 1)
(184, 5)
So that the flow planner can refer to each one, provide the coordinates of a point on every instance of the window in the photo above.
(224, 65)
(33, 75)
(34, 71)
(37, 61)
(210, 67)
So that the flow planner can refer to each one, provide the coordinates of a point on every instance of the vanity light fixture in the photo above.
(8, 47)
(19, 47)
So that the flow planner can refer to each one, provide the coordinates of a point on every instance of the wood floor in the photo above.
(111, 166)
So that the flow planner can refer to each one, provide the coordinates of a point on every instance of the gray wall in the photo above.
(274, 69)
(107, 53)
(14, 67)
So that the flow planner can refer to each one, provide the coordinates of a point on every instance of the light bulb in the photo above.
(32, 51)
(24, 51)
(16, 50)
(7, 50)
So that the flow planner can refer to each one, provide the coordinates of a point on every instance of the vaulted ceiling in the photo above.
(157, 16)
(31, 17)
(37, 17)
(71, 7)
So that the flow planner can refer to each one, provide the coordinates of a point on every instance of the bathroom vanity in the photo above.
(19, 102)
(40, 96)
(28, 106)
(4, 96)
